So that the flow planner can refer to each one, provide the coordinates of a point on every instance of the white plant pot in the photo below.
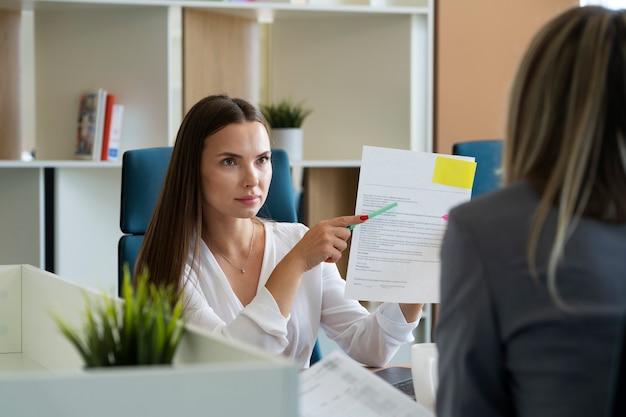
(290, 139)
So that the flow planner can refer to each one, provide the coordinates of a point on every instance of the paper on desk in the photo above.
(337, 386)
(395, 256)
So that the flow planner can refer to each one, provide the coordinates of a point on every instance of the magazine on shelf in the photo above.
(91, 117)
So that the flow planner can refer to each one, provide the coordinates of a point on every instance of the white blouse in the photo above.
(210, 302)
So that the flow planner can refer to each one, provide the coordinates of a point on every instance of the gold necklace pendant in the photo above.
(242, 268)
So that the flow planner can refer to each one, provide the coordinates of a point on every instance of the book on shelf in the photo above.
(91, 115)
(112, 130)
(108, 111)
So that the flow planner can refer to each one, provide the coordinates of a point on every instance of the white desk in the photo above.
(41, 374)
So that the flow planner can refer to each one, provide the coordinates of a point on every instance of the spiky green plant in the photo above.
(285, 113)
(145, 329)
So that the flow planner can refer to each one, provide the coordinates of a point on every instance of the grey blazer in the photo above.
(505, 348)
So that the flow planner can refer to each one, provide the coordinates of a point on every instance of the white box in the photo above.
(41, 373)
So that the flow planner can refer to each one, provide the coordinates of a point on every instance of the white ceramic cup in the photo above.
(424, 358)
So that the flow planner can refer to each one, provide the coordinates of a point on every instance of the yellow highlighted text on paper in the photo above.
(454, 172)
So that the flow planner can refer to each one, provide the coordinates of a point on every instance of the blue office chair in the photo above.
(143, 174)
(488, 154)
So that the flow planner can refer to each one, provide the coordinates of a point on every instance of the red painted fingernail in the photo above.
(445, 217)
(364, 217)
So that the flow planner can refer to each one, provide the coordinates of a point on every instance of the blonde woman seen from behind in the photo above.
(533, 280)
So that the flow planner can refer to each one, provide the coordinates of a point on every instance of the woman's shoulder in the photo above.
(520, 195)
(499, 209)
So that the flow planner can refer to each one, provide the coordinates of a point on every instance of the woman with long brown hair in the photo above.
(266, 283)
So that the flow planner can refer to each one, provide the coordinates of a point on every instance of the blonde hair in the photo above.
(567, 124)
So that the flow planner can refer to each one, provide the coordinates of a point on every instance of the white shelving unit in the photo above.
(83, 209)
(365, 68)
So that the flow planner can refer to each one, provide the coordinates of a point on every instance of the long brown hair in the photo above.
(567, 125)
(177, 219)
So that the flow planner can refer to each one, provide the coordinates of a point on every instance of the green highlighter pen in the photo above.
(376, 213)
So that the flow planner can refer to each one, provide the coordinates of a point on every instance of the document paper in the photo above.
(395, 255)
(337, 386)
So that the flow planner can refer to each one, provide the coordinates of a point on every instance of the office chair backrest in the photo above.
(488, 154)
(143, 173)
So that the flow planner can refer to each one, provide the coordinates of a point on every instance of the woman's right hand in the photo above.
(325, 241)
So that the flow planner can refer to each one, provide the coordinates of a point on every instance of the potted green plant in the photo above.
(285, 119)
(144, 328)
